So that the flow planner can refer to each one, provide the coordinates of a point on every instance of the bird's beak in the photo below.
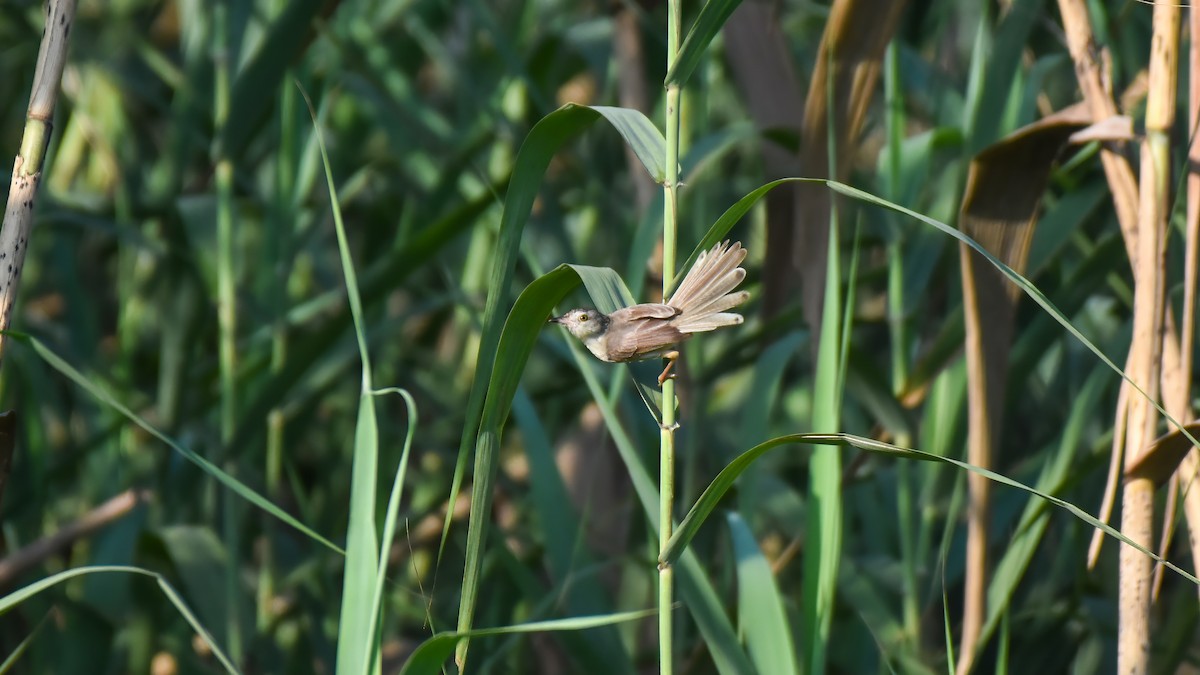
(555, 319)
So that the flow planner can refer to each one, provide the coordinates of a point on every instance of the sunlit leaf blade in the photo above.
(823, 552)
(641, 135)
(761, 614)
(604, 287)
(534, 156)
(712, 16)
(520, 332)
(208, 467)
(393, 514)
(355, 622)
(358, 639)
(483, 421)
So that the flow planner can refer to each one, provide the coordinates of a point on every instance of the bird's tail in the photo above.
(706, 292)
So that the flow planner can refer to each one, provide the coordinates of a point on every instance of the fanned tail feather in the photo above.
(708, 322)
(706, 292)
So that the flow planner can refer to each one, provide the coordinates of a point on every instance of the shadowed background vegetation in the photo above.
(184, 177)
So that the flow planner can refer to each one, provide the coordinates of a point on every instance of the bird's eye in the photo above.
(583, 317)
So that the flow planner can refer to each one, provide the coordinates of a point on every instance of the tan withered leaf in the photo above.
(1161, 459)
(999, 210)
(847, 68)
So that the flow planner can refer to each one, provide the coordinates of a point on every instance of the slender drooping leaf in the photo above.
(430, 658)
(208, 467)
(22, 594)
(712, 16)
(720, 485)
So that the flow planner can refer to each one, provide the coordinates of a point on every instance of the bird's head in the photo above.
(583, 323)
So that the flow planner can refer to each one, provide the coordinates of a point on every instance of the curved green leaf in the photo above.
(431, 656)
(724, 480)
(371, 639)
(733, 214)
(21, 594)
(534, 156)
(643, 137)
(496, 379)
(515, 343)
(727, 220)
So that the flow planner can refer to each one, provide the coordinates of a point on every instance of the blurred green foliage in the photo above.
(423, 106)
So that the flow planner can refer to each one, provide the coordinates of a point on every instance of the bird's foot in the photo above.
(666, 373)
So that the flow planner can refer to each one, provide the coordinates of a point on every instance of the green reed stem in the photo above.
(226, 313)
(666, 476)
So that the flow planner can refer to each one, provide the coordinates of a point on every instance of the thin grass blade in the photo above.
(431, 656)
(725, 479)
(208, 467)
(22, 594)
(712, 16)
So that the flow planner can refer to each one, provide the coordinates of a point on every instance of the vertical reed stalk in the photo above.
(1133, 648)
(666, 476)
(226, 312)
(901, 338)
(1189, 468)
(276, 274)
(26, 175)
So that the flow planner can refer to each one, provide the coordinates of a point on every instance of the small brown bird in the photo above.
(648, 330)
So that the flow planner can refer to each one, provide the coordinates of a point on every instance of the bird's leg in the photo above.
(666, 373)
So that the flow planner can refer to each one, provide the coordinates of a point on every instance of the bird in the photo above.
(648, 330)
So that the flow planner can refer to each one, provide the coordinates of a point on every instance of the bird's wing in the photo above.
(636, 340)
(640, 331)
(649, 310)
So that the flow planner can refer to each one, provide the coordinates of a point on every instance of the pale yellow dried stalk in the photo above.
(1137, 499)
(27, 169)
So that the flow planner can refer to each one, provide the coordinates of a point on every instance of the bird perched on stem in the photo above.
(699, 304)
